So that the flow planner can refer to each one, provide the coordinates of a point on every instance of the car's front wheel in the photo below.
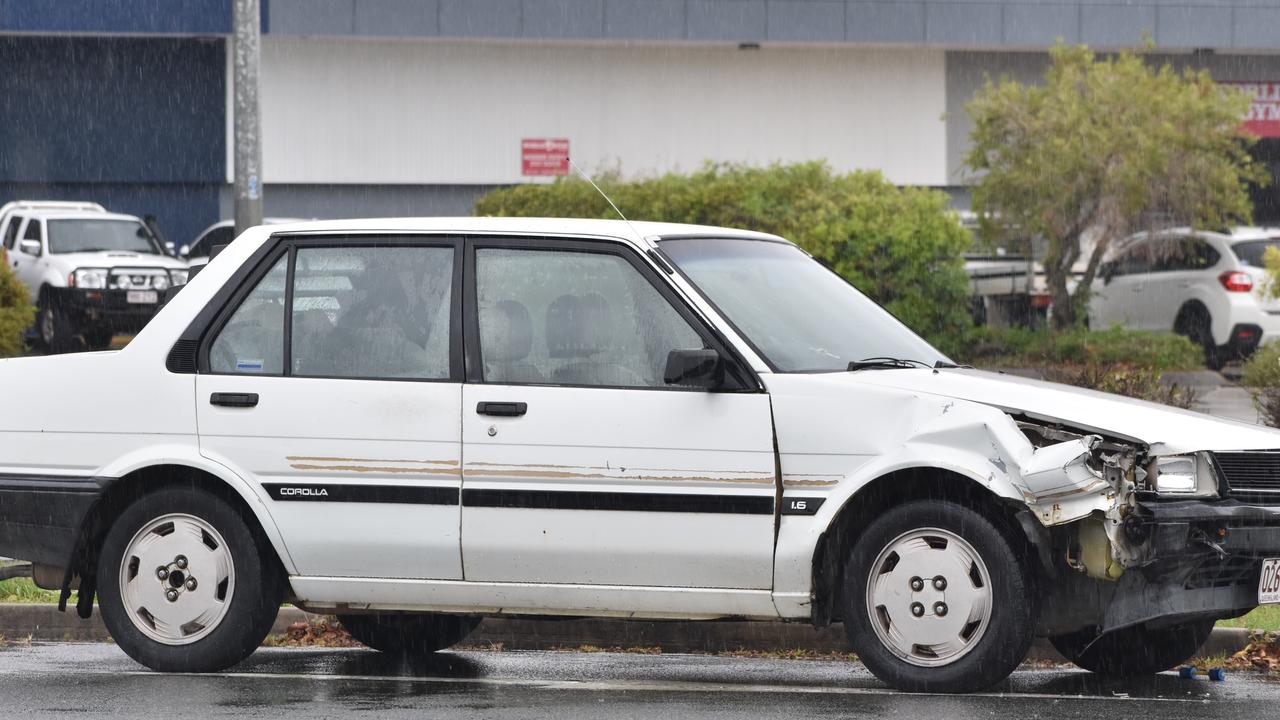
(936, 599)
(1136, 650)
(409, 635)
(56, 330)
(185, 584)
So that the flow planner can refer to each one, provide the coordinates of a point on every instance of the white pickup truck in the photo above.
(91, 273)
(415, 423)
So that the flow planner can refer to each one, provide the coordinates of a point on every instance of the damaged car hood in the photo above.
(1164, 429)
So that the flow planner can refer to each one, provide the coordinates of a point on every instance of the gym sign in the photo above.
(1263, 119)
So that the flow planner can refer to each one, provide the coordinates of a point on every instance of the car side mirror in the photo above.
(184, 251)
(30, 247)
(694, 368)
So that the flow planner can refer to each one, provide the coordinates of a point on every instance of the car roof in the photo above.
(265, 221)
(1235, 234)
(79, 215)
(586, 228)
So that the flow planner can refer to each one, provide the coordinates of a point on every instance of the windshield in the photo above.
(1250, 253)
(72, 236)
(798, 315)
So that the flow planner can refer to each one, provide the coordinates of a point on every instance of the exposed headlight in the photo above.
(1187, 475)
(160, 282)
(179, 277)
(89, 279)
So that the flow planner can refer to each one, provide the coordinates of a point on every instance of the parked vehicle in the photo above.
(1206, 285)
(218, 234)
(1007, 286)
(10, 210)
(91, 273)
(657, 421)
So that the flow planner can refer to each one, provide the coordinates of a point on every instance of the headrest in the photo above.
(506, 332)
(578, 326)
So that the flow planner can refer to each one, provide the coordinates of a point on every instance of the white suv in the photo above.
(1209, 286)
(91, 273)
(415, 423)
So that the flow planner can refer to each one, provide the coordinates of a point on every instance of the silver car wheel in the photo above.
(929, 597)
(177, 578)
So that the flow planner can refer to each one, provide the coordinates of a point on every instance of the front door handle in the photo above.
(502, 409)
(244, 400)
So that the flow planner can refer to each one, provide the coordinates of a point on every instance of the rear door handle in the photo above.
(502, 409)
(244, 400)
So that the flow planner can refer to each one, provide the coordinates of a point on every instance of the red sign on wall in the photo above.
(1263, 119)
(544, 156)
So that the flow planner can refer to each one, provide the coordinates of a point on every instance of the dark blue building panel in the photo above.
(185, 17)
(138, 123)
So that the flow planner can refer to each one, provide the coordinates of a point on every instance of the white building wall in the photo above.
(367, 111)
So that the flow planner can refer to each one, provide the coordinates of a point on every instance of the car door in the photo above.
(333, 381)
(581, 464)
(1123, 294)
(1186, 270)
(25, 265)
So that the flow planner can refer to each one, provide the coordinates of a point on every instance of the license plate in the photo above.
(1269, 585)
(139, 297)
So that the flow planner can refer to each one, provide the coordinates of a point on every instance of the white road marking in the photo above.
(634, 685)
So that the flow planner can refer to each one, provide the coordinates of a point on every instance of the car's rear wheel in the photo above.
(409, 635)
(185, 584)
(1134, 651)
(936, 600)
(1194, 323)
(98, 338)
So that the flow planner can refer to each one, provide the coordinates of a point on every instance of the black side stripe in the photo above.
(523, 499)
(52, 483)
(394, 494)
(636, 502)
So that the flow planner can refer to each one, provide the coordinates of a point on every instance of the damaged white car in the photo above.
(413, 424)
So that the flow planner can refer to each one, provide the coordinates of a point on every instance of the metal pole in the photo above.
(246, 47)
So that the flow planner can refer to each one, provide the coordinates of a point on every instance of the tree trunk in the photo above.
(1057, 272)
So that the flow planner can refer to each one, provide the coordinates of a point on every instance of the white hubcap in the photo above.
(929, 597)
(176, 579)
(46, 325)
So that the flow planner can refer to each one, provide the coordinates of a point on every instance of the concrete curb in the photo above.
(45, 623)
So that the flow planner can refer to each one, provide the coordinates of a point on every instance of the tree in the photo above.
(901, 246)
(16, 311)
(1105, 146)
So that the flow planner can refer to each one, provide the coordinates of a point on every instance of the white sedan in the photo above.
(412, 424)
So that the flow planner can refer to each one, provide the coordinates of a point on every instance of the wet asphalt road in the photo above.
(97, 680)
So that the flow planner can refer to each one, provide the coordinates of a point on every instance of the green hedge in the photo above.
(1018, 347)
(901, 246)
(1262, 370)
(16, 311)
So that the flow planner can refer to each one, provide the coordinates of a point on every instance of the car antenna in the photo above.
(607, 199)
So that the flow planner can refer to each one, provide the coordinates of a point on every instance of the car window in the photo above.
(1251, 253)
(372, 312)
(84, 235)
(11, 232)
(1183, 253)
(573, 318)
(213, 238)
(252, 341)
(33, 230)
(1134, 261)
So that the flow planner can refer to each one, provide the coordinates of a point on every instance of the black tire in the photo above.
(98, 338)
(55, 331)
(409, 635)
(1134, 651)
(253, 599)
(1006, 635)
(1195, 323)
